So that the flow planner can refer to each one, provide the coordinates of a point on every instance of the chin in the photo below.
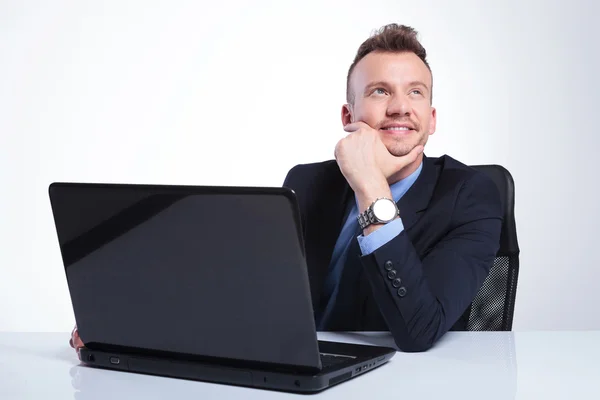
(399, 150)
(399, 153)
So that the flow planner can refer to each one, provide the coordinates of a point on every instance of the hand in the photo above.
(364, 160)
(75, 341)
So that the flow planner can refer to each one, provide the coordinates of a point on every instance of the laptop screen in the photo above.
(207, 271)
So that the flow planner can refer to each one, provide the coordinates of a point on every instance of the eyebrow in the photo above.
(418, 83)
(385, 84)
(375, 84)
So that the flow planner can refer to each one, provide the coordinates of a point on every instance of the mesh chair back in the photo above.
(493, 307)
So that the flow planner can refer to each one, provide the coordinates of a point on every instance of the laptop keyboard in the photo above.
(329, 360)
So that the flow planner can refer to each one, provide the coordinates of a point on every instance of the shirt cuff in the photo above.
(381, 236)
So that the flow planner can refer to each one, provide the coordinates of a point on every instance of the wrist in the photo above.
(370, 191)
(372, 228)
(376, 208)
(366, 197)
(378, 213)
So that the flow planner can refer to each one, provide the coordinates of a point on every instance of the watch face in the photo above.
(384, 210)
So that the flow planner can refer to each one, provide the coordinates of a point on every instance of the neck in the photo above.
(406, 171)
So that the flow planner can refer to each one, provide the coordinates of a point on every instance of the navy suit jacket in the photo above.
(452, 220)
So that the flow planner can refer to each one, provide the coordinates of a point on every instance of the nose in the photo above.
(398, 106)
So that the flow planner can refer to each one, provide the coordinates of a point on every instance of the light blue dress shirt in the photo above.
(368, 244)
(381, 236)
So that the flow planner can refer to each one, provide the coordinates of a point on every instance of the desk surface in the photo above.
(463, 365)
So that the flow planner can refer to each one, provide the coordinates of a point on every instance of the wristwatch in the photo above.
(381, 211)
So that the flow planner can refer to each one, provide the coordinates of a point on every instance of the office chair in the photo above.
(493, 307)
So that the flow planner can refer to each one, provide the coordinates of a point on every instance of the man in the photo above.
(427, 230)
(394, 240)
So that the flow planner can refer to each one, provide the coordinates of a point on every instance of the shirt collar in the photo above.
(399, 188)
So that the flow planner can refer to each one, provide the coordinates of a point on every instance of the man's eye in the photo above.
(417, 91)
(379, 91)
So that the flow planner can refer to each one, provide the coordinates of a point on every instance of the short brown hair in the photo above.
(392, 38)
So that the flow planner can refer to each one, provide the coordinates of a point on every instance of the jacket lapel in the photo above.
(328, 221)
(417, 198)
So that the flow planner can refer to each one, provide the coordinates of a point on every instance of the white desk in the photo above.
(463, 365)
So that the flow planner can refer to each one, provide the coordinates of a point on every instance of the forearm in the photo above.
(412, 312)
(425, 295)
(416, 319)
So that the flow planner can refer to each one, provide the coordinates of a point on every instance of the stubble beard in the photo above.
(402, 146)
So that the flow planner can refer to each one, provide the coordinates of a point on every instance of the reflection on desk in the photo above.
(463, 365)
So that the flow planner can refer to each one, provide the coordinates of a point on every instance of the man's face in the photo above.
(392, 95)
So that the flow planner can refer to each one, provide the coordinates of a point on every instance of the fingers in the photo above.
(353, 127)
(73, 333)
(71, 343)
(75, 341)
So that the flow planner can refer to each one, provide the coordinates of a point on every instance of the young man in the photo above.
(394, 240)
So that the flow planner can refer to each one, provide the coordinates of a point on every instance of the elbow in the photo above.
(410, 345)
(419, 338)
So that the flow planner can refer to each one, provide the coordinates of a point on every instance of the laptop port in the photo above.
(115, 360)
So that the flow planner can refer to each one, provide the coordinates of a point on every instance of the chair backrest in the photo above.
(493, 307)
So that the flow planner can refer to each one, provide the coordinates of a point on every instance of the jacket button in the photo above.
(402, 291)
(397, 282)
(392, 274)
(388, 265)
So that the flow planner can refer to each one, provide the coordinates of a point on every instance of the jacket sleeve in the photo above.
(422, 298)
(381, 236)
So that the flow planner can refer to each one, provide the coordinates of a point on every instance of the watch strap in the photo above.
(366, 218)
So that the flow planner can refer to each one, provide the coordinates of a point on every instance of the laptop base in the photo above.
(354, 360)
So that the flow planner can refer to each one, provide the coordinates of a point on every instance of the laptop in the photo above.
(197, 282)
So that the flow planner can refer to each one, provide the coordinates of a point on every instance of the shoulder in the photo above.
(451, 167)
(312, 167)
(303, 174)
(473, 187)
(461, 175)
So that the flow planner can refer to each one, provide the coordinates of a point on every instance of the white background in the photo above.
(237, 92)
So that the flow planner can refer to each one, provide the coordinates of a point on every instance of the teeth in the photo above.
(397, 128)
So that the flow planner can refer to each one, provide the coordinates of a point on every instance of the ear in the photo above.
(432, 121)
(347, 117)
